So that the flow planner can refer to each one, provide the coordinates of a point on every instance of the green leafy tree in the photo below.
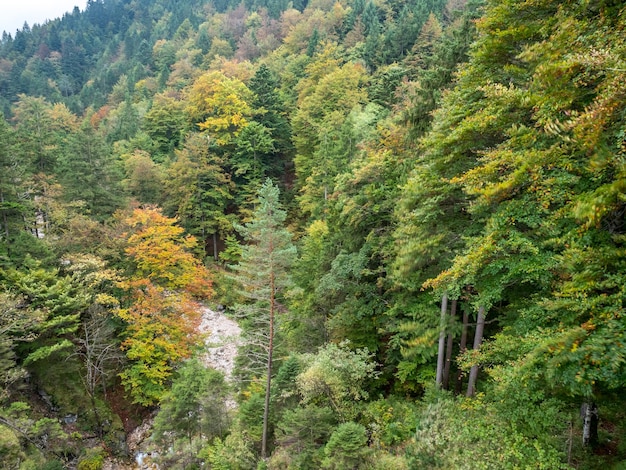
(318, 124)
(231, 453)
(527, 433)
(89, 174)
(270, 112)
(60, 301)
(337, 377)
(194, 409)
(17, 326)
(144, 178)
(14, 209)
(301, 433)
(165, 122)
(220, 106)
(34, 127)
(531, 162)
(307, 315)
(20, 428)
(254, 148)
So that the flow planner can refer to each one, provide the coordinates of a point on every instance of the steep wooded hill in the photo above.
(413, 209)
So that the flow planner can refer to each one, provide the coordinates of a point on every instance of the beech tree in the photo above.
(263, 273)
(161, 312)
(322, 130)
(219, 105)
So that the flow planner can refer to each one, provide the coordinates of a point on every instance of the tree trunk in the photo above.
(478, 339)
(94, 406)
(462, 348)
(442, 340)
(589, 414)
(215, 246)
(449, 345)
(4, 218)
(268, 383)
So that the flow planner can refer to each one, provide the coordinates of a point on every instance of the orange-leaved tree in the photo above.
(162, 312)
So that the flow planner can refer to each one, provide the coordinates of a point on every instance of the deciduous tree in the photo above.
(161, 314)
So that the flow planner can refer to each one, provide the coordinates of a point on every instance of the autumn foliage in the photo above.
(162, 330)
(163, 313)
(163, 254)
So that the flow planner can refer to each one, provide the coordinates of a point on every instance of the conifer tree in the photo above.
(263, 273)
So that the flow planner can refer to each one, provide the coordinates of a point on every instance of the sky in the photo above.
(13, 13)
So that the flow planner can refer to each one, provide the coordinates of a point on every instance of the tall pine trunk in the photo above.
(442, 340)
(478, 339)
(449, 345)
(462, 348)
(268, 382)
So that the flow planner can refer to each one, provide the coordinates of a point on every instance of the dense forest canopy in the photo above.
(414, 210)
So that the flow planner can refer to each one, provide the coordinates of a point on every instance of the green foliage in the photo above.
(230, 454)
(307, 427)
(165, 123)
(305, 330)
(321, 135)
(144, 179)
(89, 174)
(16, 326)
(474, 148)
(271, 113)
(284, 384)
(390, 421)
(93, 459)
(250, 415)
(40, 436)
(194, 406)
(52, 465)
(451, 434)
(337, 377)
(10, 448)
(254, 148)
(346, 448)
(263, 275)
(58, 301)
(198, 189)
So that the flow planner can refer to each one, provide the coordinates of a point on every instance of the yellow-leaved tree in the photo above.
(219, 105)
(162, 312)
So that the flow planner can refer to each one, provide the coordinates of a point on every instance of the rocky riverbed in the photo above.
(222, 341)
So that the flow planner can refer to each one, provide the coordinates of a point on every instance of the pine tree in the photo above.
(263, 273)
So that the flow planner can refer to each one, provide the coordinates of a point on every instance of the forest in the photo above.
(414, 210)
